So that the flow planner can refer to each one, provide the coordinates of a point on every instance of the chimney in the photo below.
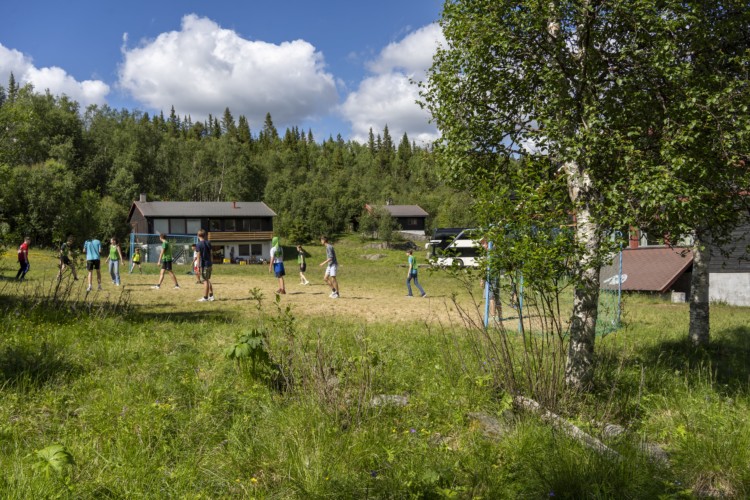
(234, 204)
(143, 198)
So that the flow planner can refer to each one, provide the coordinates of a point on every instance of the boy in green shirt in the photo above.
(165, 257)
(412, 274)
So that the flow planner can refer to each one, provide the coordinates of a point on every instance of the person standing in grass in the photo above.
(93, 249)
(165, 257)
(136, 261)
(276, 263)
(411, 274)
(205, 266)
(23, 259)
(113, 261)
(67, 259)
(301, 260)
(196, 264)
(332, 266)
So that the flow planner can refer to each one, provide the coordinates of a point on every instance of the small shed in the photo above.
(411, 218)
(659, 269)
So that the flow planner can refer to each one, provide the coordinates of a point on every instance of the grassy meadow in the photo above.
(138, 393)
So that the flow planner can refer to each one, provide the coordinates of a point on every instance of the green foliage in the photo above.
(250, 346)
(54, 458)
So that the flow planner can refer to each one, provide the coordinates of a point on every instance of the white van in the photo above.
(463, 251)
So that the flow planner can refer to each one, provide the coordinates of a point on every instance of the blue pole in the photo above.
(619, 291)
(487, 289)
(520, 302)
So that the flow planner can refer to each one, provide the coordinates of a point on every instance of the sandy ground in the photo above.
(233, 294)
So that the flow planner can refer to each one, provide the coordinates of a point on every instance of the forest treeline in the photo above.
(68, 171)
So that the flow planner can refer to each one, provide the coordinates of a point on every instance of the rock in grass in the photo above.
(656, 453)
(374, 256)
(489, 426)
(388, 400)
(612, 431)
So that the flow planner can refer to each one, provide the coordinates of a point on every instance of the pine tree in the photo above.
(243, 131)
(228, 126)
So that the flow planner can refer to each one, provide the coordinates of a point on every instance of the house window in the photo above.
(214, 225)
(177, 226)
(256, 249)
(244, 225)
(229, 225)
(193, 226)
(244, 250)
(256, 225)
(161, 226)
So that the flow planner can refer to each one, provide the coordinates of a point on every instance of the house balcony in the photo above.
(235, 236)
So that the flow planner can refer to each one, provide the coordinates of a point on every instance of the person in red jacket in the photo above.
(23, 259)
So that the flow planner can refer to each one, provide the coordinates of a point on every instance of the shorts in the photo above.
(166, 265)
(65, 260)
(206, 272)
(302, 268)
(93, 264)
(278, 269)
(331, 270)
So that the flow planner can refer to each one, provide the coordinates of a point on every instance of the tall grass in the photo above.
(149, 406)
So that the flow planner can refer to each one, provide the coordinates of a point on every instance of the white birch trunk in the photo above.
(579, 367)
(699, 331)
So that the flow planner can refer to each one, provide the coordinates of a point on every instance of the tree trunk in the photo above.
(579, 367)
(699, 331)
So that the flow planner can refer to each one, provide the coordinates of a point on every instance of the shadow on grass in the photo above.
(728, 356)
(210, 315)
(24, 367)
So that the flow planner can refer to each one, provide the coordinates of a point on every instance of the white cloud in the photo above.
(53, 78)
(389, 97)
(203, 68)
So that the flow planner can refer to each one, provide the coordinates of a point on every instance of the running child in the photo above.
(67, 260)
(93, 249)
(165, 257)
(412, 274)
(23, 259)
(301, 260)
(136, 261)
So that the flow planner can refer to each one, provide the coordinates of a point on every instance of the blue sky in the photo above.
(332, 66)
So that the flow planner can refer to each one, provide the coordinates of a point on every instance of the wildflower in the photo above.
(253, 480)
(374, 473)
(413, 431)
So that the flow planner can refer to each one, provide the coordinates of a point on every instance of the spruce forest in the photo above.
(72, 171)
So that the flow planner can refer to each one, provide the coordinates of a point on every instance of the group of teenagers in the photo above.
(276, 265)
(202, 264)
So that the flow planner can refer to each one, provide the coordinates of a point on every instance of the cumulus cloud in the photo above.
(389, 96)
(203, 68)
(57, 80)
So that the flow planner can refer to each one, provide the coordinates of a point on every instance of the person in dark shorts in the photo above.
(165, 257)
(93, 249)
(276, 263)
(205, 266)
(67, 259)
(302, 261)
(136, 261)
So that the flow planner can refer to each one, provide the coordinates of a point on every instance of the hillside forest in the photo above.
(71, 171)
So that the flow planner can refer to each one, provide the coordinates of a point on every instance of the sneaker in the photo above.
(424, 295)
(409, 295)
(334, 295)
(202, 299)
(155, 287)
(211, 298)
(99, 288)
(177, 287)
(88, 289)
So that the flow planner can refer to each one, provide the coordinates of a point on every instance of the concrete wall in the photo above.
(731, 288)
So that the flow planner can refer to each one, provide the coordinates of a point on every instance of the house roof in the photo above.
(653, 269)
(402, 210)
(201, 209)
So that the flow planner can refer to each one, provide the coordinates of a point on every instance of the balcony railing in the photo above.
(240, 235)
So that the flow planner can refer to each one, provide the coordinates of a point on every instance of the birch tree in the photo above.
(585, 90)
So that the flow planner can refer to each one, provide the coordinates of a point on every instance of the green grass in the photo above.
(148, 406)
